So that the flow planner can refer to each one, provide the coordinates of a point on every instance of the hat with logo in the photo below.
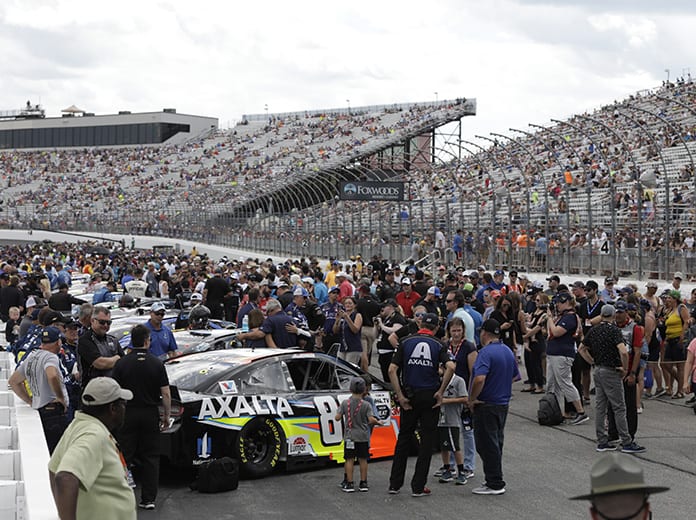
(499, 272)
(492, 326)
(300, 291)
(104, 390)
(158, 307)
(430, 319)
(405, 281)
(615, 473)
(621, 306)
(196, 297)
(52, 317)
(50, 335)
(334, 288)
(609, 280)
(434, 290)
(564, 297)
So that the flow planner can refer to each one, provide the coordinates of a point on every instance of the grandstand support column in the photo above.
(509, 195)
(494, 201)
(572, 150)
(640, 200)
(529, 205)
(666, 249)
(541, 176)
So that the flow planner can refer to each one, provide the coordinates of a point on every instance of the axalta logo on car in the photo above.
(240, 406)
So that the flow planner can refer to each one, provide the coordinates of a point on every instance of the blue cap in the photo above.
(499, 273)
(300, 291)
(335, 288)
(50, 335)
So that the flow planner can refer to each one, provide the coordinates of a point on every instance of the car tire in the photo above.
(259, 447)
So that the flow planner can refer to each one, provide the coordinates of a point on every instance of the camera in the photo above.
(543, 306)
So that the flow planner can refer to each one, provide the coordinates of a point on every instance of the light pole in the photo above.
(265, 107)
(435, 97)
(667, 71)
(348, 103)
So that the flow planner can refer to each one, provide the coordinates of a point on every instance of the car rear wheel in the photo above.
(259, 447)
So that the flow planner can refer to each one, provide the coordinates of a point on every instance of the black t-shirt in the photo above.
(89, 348)
(368, 308)
(390, 321)
(586, 311)
(144, 375)
(217, 289)
(602, 340)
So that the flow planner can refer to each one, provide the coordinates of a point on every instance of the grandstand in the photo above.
(604, 192)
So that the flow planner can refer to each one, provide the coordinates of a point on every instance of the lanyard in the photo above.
(349, 418)
(127, 472)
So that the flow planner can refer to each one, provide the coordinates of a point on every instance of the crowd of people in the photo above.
(440, 338)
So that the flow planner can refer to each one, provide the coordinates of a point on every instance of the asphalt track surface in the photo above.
(542, 466)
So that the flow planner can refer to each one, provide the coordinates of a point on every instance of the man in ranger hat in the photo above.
(618, 489)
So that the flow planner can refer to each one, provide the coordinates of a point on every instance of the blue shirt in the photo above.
(321, 292)
(478, 321)
(161, 341)
(102, 295)
(275, 326)
(497, 362)
(245, 310)
(419, 357)
(564, 345)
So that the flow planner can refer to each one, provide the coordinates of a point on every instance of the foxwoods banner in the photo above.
(371, 190)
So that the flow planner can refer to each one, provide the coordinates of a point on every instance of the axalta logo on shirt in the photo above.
(239, 406)
(421, 355)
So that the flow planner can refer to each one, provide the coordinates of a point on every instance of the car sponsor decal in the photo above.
(239, 406)
(299, 446)
(228, 387)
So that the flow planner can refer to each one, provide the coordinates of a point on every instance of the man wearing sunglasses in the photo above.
(97, 350)
(162, 342)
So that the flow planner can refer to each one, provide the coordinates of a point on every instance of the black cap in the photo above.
(553, 277)
(430, 319)
(564, 297)
(492, 326)
(578, 285)
(591, 284)
(390, 301)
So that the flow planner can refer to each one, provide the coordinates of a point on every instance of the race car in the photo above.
(265, 407)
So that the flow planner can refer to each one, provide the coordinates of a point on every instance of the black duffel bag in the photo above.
(217, 475)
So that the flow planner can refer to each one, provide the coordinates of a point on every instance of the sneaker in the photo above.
(424, 493)
(485, 490)
(343, 482)
(639, 409)
(363, 486)
(632, 448)
(146, 505)
(579, 419)
(461, 479)
(440, 471)
(348, 487)
(605, 446)
(692, 400)
(447, 476)
(469, 474)
(394, 491)
(660, 392)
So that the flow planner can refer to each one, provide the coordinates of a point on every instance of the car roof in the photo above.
(244, 355)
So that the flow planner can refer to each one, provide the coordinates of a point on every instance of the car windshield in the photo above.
(196, 375)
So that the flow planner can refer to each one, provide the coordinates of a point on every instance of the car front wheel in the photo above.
(259, 447)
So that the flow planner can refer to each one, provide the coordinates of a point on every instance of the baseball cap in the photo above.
(499, 272)
(468, 287)
(564, 297)
(536, 284)
(492, 326)
(104, 390)
(430, 319)
(405, 281)
(51, 318)
(591, 284)
(158, 307)
(495, 293)
(679, 275)
(31, 302)
(71, 323)
(196, 297)
(620, 306)
(651, 283)
(609, 280)
(300, 291)
(553, 277)
(391, 302)
(578, 285)
(451, 277)
(50, 335)
(282, 284)
(608, 310)
(357, 385)
(474, 274)
(434, 290)
(307, 279)
(334, 288)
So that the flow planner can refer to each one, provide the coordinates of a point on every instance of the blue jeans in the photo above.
(489, 432)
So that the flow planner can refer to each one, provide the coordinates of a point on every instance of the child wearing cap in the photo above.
(358, 415)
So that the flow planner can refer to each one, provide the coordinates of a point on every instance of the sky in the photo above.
(523, 60)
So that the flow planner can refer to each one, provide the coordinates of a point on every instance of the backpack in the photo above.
(549, 413)
(217, 475)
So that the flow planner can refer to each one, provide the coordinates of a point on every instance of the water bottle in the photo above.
(245, 323)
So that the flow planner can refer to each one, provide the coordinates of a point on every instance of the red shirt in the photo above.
(407, 302)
